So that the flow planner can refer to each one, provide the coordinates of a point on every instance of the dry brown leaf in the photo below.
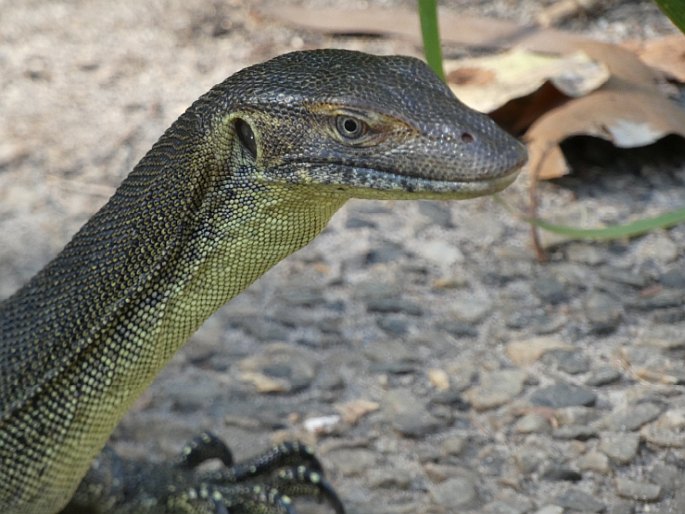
(454, 27)
(625, 67)
(625, 118)
(667, 54)
(628, 111)
(487, 83)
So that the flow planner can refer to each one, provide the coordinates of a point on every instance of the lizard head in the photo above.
(366, 126)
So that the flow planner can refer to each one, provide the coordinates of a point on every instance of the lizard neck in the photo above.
(184, 233)
(236, 245)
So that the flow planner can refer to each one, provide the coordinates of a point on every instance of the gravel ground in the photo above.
(463, 376)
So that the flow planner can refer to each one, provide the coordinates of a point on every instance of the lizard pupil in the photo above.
(350, 128)
(350, 125)
(246, 137)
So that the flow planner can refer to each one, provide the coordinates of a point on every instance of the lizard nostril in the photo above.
(466, 137)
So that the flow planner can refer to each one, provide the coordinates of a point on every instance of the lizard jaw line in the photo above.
(374, 183)
(360, 182)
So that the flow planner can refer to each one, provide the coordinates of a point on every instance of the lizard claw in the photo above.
(264, 484)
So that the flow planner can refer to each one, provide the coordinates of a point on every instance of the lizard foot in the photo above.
(264, 484)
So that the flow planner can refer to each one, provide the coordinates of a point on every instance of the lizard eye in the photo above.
(349, 127)
(246, 136)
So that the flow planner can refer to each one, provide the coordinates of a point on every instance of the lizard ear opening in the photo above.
(246, 136)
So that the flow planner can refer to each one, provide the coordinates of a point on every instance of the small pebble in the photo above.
(385, 251)
(578, 500)
(640, 491)
(532, 423)
(454, 445)
(555, 472)
(674, 278)
(603, 376)
(440, 253)
(394, 304)
(393, 325)
(603, 312)
(657, 246)
(628, 419)
(620, 447)
(563, 395)
(667, 431)
(526, 352)
(408, 414)
(625, 507)
(594, 461)
(577, 432)
(470, 309)
(572, 362)
(496, 388)
(550, 290)
(436, 212)
(352, 461)
(455, 492)
(550, 509)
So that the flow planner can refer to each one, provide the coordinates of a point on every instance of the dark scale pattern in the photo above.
(200, 218)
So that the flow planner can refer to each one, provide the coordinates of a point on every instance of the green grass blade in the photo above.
(635, 228)
(632, 229)
(428, 13)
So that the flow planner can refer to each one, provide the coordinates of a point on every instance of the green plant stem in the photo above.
(428, 13)
(631, 229)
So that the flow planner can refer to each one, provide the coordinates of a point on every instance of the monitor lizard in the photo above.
(251, 172)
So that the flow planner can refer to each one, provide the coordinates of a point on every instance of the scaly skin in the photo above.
(251, 172)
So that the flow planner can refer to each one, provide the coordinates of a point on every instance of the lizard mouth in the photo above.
(417, 186)
(360, 182)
